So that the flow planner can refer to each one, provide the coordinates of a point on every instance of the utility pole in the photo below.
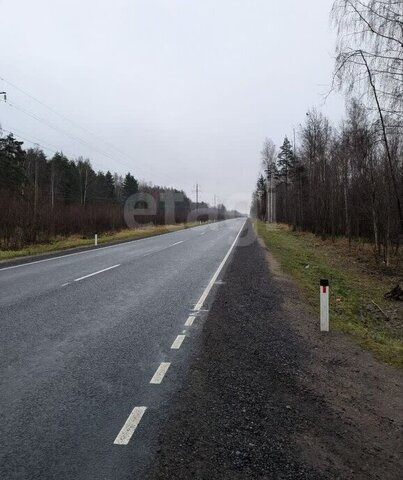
(4, 96)
(197, 196)
(197, 190)
(36, 183)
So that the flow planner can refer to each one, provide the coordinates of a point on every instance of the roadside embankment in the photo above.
(357, 287)
(77, 241)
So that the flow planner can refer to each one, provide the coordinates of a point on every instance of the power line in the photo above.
(60, 130)
(133, 165)
(63, 117)
(57, 129)
(73, 137)
(43, 147)
(75, 124)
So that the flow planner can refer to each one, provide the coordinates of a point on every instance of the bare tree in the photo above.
(85, 173)
(370, 63)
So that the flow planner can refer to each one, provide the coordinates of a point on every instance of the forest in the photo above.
(347, 179)
(44, 198)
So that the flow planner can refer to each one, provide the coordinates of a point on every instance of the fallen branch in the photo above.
(380, 309)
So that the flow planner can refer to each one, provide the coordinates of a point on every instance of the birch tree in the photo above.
(369, 63)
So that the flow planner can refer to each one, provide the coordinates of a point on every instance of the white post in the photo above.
(96, 239)
(324, 305)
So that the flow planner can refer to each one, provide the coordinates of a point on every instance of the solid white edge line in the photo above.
(202, 299)
(190, 321)
(178, 342)
(160, 373)
(130, 426)
(96, 273)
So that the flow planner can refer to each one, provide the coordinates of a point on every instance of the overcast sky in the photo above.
(187, 90)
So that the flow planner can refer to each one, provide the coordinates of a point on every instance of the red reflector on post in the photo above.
(324, 305)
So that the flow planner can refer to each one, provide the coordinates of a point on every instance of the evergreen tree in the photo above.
(130, 186)
(286, 170)
(64, 180)
(105, 187)
(12, 167)
(71, 187)
(86, 180)
(286, 162)
(109, 186)
(36, 171)
(261, 197)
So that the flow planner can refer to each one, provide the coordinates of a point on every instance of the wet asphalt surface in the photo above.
(78, 349)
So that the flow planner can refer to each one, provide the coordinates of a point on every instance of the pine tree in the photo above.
(104, 188)
(286, 162)
(64, 180)
(130, 186)
(12, 158)
(109, 186)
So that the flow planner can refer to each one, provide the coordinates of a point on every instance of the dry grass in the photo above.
(75, 241)
(357, 286)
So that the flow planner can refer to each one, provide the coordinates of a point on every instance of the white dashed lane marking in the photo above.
(176, 243)
(190, 321)
(96, 273)
(130, 426)
(162, 249)
(160, 373)
(178, 342)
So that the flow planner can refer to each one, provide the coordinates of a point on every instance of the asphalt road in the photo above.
(82, 335)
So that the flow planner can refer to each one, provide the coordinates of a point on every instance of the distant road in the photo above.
(82, 337)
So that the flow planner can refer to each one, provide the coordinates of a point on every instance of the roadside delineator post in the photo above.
(324, 305)
(96, 239)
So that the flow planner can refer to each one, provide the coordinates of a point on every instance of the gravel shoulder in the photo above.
(268, 397)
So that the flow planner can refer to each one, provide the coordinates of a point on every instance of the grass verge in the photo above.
(75, 241)
(356, 294)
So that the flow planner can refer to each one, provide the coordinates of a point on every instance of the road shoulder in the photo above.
(268, 396)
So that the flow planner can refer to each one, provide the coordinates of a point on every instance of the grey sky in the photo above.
(188, 89)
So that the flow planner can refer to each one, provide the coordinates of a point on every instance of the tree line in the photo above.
(348, 179)
(42, 198)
